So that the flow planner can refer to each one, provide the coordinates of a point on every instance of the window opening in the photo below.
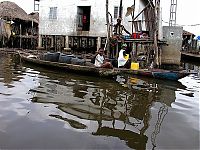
(36, 5)
(53, 13)
(116, 12)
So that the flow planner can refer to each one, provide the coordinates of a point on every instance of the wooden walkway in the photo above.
(186, 55)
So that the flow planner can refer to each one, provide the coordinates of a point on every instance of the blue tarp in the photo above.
(198, 38)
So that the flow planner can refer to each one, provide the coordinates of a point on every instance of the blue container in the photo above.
(52, 56)
(77, 61)
(127, 37)
(48, 56)
(64, 59)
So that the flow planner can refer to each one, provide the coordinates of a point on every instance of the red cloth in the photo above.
(84, 19)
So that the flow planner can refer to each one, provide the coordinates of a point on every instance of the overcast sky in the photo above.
(187, 12)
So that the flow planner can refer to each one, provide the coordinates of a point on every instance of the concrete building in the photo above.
(81, 24)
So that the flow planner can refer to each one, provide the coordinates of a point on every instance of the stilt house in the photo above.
(81, 25)
(18, 29)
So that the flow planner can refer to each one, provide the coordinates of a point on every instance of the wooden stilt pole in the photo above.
(120, 9)
(156, 50)
(108, 29)
(133, 51)
(32, 34)
(20, 36)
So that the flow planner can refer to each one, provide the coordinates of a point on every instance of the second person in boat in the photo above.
(123, 59)
(101, 61)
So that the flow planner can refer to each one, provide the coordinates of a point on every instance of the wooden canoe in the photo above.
(86, 70)
(103, 72)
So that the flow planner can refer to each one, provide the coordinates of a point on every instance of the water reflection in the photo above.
(163, 110)
(118, 108)
(128, 108)
(9, 69)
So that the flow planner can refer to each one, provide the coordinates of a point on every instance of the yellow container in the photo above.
(134, 66)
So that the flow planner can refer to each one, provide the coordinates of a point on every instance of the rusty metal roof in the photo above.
(187, 33)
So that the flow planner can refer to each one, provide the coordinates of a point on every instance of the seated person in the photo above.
(119, 28)
(123, 58)
(100, 60)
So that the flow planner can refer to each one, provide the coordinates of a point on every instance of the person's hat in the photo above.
(124, 45)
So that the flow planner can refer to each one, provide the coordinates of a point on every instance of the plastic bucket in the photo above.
(136, 35)
(134, 66)
(126, 57)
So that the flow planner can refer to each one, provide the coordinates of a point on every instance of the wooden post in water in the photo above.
(3, 39)
(46, 42)
(11, 33)
(20, 34)
(156, 50)
(32, 34)
(39, 40)
(158, 20)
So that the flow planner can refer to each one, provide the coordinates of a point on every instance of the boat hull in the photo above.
(159, 73)
(87, 70)
(103, 72)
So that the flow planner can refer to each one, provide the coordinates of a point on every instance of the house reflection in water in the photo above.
(119, 110)
(8, 69)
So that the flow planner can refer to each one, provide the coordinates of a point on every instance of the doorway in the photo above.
(83, 20)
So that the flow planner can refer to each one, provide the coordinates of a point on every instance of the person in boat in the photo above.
(119, 28)
(101, 61)
(123, 58)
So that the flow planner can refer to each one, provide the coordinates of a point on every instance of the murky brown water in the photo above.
(42, 109)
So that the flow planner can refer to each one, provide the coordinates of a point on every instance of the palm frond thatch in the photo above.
(10, 10)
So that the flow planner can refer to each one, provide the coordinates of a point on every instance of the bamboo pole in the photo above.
(133, 14)
(140, 12)
(111, 23)
(108, 29)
